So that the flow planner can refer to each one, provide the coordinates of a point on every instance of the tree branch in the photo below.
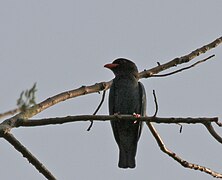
(156, 104)
(212, 131)
(21, 119)
(180, 60)
(30, 157)
(30, 112)
(177, 158)
(61, 120)
(9, 113)
(97, 109)
(182, 69)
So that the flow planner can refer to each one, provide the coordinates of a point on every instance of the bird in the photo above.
(127, 96)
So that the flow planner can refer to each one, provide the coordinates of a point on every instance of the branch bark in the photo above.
(30, 112)
(212, 131)
(61, 120)
(177, 158)
(182, 69)
(30, 157)
(9, 113)
(181, 60)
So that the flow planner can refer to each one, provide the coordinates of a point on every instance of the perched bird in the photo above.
(127, 96)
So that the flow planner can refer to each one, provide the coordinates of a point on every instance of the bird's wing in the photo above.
(111, 112)
(143, 99)
(111, 100)
(142, 110)
(142, 106)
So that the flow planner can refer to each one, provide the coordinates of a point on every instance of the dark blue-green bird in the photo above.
(127, 96)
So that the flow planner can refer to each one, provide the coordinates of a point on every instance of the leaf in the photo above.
(27, 98)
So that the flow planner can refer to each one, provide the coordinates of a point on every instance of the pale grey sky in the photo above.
(63, 45)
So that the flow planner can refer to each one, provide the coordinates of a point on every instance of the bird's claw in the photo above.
(136, 116)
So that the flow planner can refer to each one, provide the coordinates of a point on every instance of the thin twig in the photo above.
(181, 127)
(30, 157)
(182, 69)
(156, 103)
(212, 131)
(219, 124)
(177, 158)
(97, 109)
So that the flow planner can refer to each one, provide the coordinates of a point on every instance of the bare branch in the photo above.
(30, 112)
(182, 69)
(21, 118)
(101, 102)
(181, 127)
(212, 131)
(61, 120)
(9, 113)
(177, 158)
(97, 109)
(180, 60)
(156, 103)
(30, 157)
(219, 124)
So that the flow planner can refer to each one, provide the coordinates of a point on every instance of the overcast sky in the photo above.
(63, 45)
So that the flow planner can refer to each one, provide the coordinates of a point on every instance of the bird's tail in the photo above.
(127, 159)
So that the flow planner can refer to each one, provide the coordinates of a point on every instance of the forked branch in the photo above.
(181, 60)
(176, 157)
(179, 159)
(212, 131)
(30, 112)
(21, 119)
(182, 69)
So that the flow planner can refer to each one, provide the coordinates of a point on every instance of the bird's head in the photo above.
(123, 66)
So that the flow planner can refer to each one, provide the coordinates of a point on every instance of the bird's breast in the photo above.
(126, 96)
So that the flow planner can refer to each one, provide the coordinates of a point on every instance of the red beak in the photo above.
(111, 66)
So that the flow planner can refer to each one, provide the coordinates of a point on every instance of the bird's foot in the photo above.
(136, 116)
